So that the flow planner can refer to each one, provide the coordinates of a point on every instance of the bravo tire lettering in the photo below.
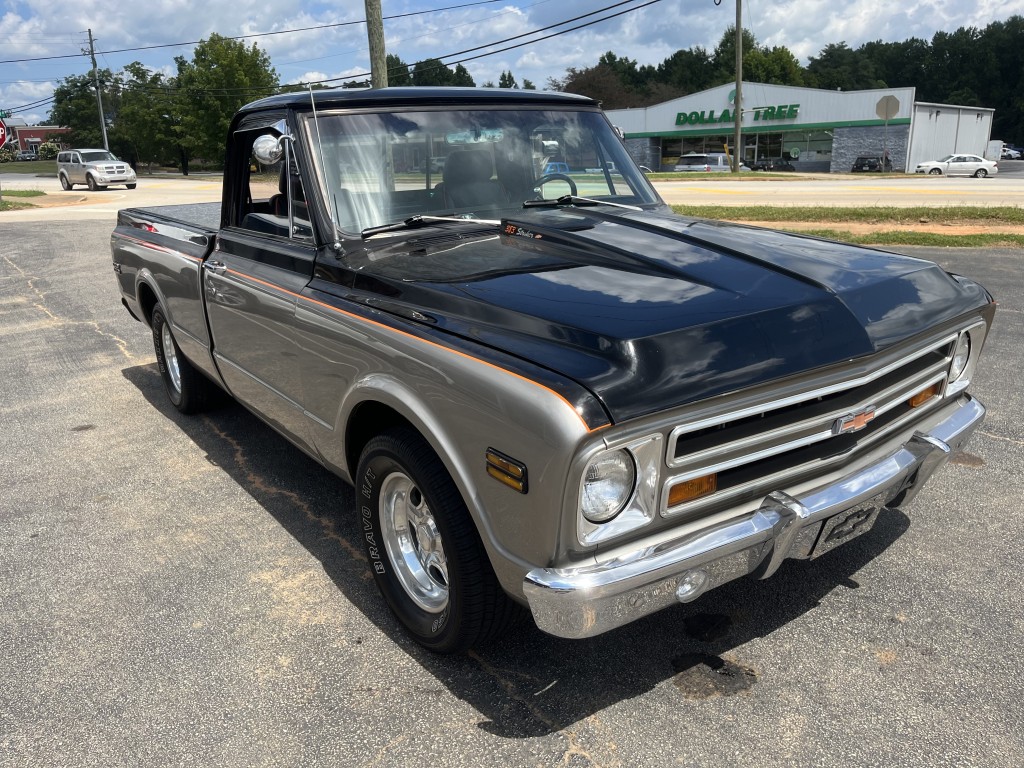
(440, 621)
(372, 550)
(367, 487)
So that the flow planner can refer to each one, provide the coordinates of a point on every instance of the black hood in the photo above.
(650, 311)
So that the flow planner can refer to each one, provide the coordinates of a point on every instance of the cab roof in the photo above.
(425, 96)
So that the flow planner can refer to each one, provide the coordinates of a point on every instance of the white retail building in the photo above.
(815, 129)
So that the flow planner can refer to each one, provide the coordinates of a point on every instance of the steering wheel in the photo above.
(556, 177)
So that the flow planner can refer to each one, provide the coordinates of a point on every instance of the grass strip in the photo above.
(950, 214)
(21, 193)
(8, 206)
(31, 167)
(917, 238)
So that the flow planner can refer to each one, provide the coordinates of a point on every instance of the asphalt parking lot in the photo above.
(190, 591)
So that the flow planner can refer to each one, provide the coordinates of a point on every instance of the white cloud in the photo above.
(38, 28)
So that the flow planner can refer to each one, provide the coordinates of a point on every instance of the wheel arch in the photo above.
(368, 419)
(378, 411)
(148, 299)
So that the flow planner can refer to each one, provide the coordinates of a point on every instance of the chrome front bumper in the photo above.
(589, 600)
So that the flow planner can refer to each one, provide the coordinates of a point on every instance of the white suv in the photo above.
(96, 168)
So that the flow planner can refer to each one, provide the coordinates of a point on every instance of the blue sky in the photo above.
(30, 29)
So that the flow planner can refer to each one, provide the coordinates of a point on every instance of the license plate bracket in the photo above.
(845, 526)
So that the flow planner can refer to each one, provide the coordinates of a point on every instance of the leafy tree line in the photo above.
(156, 119)
(153, 118)
(971, 67)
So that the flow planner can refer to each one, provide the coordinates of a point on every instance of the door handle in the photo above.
(217, 267)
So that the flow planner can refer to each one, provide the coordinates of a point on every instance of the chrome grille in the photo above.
(782, 437)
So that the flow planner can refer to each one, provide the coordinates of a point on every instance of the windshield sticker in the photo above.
(514, 230)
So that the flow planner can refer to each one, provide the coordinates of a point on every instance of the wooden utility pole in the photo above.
(99, 98)
(375, 34)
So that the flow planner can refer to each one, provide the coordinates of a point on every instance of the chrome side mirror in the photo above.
(268, 149)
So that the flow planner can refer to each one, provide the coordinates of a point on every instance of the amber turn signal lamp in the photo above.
(688, 490)
(924, 395)
(506, 470)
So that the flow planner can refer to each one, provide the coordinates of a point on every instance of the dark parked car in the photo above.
(773, 164)
(871, 163)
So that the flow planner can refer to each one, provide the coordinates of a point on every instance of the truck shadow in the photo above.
(529, 684)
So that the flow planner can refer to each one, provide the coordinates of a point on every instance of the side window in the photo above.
(266, 190)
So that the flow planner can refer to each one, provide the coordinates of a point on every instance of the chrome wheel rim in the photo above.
(413, 542)
(170, 357)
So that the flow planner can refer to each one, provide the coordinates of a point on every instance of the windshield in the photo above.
(97, 157)
(382, 168)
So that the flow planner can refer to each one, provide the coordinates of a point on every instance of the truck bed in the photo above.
(202, 216)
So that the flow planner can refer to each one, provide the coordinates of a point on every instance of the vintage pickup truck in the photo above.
(547, 390)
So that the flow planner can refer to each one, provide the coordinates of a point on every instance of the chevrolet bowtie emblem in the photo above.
(854, 421)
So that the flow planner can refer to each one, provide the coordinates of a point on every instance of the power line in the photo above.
(363, 75)
(226, 91)
(36, 105)
(247, 37)
(510, 47)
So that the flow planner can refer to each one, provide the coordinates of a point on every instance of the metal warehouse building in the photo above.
(816, 130)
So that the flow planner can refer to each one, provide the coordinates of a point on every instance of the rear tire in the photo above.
(66, 185)
(424, 550)
(981, 173)
(187, 389)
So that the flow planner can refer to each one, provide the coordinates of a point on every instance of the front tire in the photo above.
(935, 172)
(130, 186)
(425, 553)
(187, 389)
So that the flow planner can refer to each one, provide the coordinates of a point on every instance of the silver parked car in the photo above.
(959, 165)
(96, 168)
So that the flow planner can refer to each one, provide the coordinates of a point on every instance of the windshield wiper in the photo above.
(419, 220)
(574, 200)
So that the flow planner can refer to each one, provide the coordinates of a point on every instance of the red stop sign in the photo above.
(3, 133)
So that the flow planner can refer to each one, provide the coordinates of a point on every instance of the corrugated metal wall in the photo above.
(941, 129)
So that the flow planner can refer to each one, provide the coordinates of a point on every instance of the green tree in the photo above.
(723, 59)
(398, 71)
(222, 76)
(600, 83)
(838, 67)
(775, 65)
(507, 81)
(143, 128)
(462, 78)
(431, 72)
(528, 85)
(901, 64)
(686, 71)
(74, 106)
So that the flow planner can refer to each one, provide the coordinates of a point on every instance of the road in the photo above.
(190, 591)
(822, 189)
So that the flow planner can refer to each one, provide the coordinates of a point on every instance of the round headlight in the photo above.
(608, 485)
(961, 355)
